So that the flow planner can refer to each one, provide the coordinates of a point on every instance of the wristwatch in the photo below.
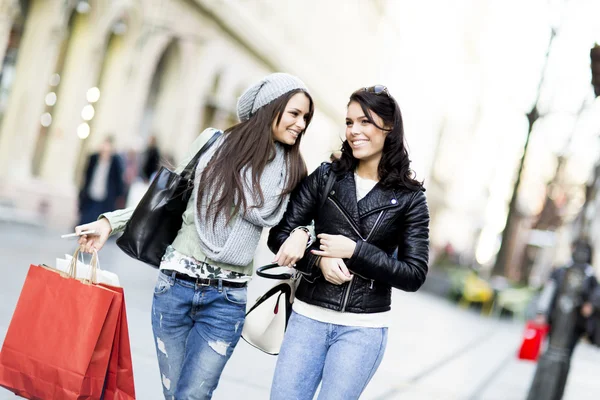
(305, 229)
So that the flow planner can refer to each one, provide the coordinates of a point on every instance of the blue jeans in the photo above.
(195, 329)
(344, 358)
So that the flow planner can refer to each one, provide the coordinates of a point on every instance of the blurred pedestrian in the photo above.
(337, 333)
(151, 159)
(102, 184)
(242, 184)
(549, 310)
(131, 168)
(566, 304)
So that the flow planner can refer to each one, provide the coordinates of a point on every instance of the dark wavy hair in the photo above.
(250, 144)
(394, 166)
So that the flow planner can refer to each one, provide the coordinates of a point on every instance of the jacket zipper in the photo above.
(361, 238)
(349, 288)
(375, 226)
(348, 219)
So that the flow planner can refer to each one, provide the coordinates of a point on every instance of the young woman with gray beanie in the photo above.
(243, 183)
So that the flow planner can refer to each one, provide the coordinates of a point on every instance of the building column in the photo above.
(113, 102)
(9, 9)
(114, 73)
(168, 109)
(40, 44)
(83, 61)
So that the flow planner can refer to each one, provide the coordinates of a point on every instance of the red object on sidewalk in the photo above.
(533, 337)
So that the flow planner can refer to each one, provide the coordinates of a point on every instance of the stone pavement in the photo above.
(435, 350)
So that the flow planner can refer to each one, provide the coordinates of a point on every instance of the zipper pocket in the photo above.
(347, 295)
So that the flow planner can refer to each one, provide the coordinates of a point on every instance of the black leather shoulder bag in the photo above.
(158, 217)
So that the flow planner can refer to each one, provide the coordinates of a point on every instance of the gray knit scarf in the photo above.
(235, 243)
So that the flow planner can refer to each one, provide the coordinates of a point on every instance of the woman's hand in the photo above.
(292, 250)
(90, 242)
(335, 246)
(334, 270)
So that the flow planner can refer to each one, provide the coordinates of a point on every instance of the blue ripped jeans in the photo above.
(195, 329)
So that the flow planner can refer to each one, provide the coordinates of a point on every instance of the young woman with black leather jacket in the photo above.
(366, 205)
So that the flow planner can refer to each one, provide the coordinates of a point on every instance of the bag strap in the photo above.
(191, 167)
(260, 271)
(328, 186)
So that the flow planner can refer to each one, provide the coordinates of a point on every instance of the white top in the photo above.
(363, 186)
(374, 320)
(97, 188)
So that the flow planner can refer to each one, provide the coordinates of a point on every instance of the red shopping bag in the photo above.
(533, 337)
(60, 338)
(119, 378)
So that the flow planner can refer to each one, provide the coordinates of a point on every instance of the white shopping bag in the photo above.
(83, 271)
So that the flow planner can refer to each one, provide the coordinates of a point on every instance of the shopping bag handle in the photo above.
(93, 265)
(260, 271)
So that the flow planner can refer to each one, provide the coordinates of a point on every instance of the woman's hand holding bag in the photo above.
(89, 243)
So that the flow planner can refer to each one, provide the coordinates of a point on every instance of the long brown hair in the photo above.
(250, 144)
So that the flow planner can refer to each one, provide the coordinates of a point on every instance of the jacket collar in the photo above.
(378, 199)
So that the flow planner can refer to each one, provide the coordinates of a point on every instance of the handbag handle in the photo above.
(190, 169)
(93, 265)
(260, 271)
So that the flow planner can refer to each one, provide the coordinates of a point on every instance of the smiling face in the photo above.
(293, 120)
(365, 139)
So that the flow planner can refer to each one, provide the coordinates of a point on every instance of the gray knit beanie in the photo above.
(262, 93)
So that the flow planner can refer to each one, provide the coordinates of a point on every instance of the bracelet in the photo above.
(305, 229)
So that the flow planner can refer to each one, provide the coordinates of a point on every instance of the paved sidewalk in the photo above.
(435, 350)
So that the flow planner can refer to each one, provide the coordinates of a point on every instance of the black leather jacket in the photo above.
(383, 221)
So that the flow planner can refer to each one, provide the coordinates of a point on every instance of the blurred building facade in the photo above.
(75, 71)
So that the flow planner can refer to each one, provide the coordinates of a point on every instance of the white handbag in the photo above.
(267, 320)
